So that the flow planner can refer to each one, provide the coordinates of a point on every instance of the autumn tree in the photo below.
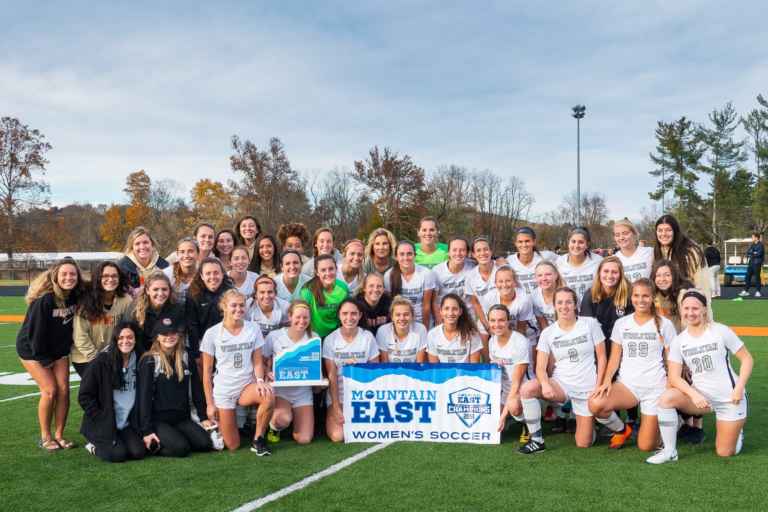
(138, 187)
(114, 230)
(268, 187)
(449, 191)
(396, 185)
(22, 165)
(212, 202)
(339, 204)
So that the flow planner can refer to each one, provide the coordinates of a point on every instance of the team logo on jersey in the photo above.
(469, 405)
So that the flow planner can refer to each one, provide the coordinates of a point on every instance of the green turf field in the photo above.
(403, 476)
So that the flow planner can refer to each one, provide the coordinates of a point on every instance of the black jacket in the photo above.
(201, 313)
(370, 314)
(160, 396)
(712, 255)
(46, 334)
(605, 312)
(96, 399)
(127, 265)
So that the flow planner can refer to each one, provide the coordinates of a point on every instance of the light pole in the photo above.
(578, 113)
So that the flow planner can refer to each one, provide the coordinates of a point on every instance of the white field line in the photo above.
(301, 484)
(31, 394)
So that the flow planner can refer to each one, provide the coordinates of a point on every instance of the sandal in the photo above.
(66, 445)
(50, 445)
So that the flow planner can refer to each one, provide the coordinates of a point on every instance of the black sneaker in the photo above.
(259, 447)
(532, 446)
(696, 435)
(560, 425)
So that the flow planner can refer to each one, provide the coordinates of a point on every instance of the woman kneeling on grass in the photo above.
(292, 404)
(349, 344)
(108, 398)
(456, 339)
(44, 342)
(705, 347)
(640, 342)
(509, 350)
(168, 380)
(577, 346)
(234, 347)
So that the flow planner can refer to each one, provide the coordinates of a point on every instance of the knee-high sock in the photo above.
(613, 422)
(532, 414)
(668, 428)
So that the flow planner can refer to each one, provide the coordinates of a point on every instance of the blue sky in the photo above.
(486, 85)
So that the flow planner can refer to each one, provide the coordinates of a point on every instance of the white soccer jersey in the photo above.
(268, 323)
(413, 289)
(708, 357)
(580, 278)
(474, 284)
(247, 287)
(448, 282)
(574, 353)
(402, 351)
(642, 358)
(520, 310)
(638, 265)
(451, 351)
(526, 274)
(284, 293)
(513, 353)
(360, 350)
(234, 366)
(541, 308)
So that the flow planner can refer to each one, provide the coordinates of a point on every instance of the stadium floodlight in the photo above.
(578, 112)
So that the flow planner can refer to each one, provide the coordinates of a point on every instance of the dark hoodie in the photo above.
(201, 313)
(170, 313)
(46, 334)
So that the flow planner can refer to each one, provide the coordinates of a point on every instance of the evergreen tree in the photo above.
(756, 125)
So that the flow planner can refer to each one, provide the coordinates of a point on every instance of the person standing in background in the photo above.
(755, 258)
(712, 255)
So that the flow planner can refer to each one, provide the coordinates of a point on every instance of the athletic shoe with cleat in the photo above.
(758, 295)
(273, 436)
(532, 446)
(259, 447)
(618, 439)
(739, 443)
(525, 436)
(662, 457)
(695, 435)
(91, 448)
(744, 293)
(560, 426)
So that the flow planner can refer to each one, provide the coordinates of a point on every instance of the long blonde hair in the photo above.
(620, 295)
(47, 282)
(164, 361)
(142, 301)
(559, 281)
(368, 252)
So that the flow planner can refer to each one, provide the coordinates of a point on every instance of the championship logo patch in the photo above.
(469, 405)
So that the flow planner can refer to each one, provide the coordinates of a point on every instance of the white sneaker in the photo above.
(757, 294)
(661, 457)
(739, 442)
(744, 293)
(90, 448)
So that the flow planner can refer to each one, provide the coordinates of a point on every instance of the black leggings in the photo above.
(80, 368)
(128, 445)
(181, 438)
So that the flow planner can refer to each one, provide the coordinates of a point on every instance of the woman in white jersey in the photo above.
(268, 310)
(414, 282)
(481, 279)
(548, 279)
(450, 275)
(509, 293)
(290, 279)
(233, 346)
(509, 350)
(640, 342)
(402, 340)
(705, 347)
(578, 349)
(182, 271)
(349, 344)
(292, 404)
(637, 261)
(526, 258)
(455, 340)
(579, 265)
(352, 265)
(242, 278)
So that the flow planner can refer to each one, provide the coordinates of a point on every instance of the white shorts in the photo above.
(578, 399)
(647, 398)
(728, 411)
(300, 396)
(226, 396)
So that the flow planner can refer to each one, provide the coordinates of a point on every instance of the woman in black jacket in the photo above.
(201, 309)
(141, 258)
(166, 383)
(156, 305)
(44, 342)
(108, 398)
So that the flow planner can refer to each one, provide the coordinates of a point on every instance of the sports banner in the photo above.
(448, 403)
(300, 365)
